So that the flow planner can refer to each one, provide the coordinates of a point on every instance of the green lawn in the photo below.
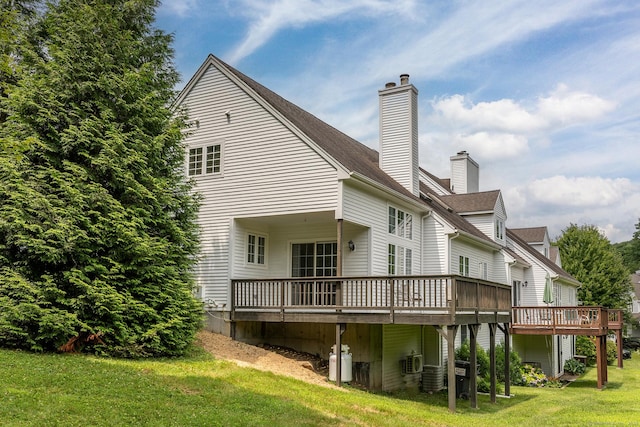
(74, 390)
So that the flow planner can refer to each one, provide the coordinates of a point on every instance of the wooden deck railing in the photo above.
(391, 294)
(567, 320)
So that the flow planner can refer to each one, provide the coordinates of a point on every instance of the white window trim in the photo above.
(483, 272)
(403, 264)
(463, 264)
(204, 146)
(315, 243)
(499, 231)
(408, 225)
(255, 262)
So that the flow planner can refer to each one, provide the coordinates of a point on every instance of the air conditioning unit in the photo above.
(412, 364)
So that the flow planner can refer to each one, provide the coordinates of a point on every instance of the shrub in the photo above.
(574, 367)
(515, 366)
(612, 352)
(484, 385)
(586, 347)
(464, 353)
(533, 377)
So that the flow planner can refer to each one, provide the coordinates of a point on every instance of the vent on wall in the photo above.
(412, 364)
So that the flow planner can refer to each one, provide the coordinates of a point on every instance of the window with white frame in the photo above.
(318, 259)
(484, 271)
(256, 249)
(463, 265)
(400, 223)
(499, 229)
(515, 292)
(206, 160)
(399, 260)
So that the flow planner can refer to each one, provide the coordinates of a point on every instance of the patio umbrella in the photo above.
(547, 298)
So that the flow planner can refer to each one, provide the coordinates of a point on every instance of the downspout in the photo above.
(422, 242)
(452, 236)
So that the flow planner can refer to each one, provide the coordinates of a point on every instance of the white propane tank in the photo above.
(345, 361)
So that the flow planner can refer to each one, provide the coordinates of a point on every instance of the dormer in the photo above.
(399, 133)
(485, 210)
(537, 237)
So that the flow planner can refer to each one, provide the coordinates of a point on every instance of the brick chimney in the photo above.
(399, 133)
(465, 174)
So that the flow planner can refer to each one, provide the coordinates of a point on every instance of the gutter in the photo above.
(383, 188)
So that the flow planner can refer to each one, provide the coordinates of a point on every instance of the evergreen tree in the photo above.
(589, 257)
(97, 222)
(16, 31)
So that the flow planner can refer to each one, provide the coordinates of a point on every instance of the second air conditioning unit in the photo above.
(412, 364)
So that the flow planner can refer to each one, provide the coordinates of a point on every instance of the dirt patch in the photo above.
(279, 360)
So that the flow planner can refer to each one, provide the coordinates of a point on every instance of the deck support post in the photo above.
(449, 334)
(492, 360)
(601, 359)
(507, 358)
(619, 346)
(473, 368)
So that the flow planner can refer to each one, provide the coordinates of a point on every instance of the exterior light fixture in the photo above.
(525, 284)
(352, 246)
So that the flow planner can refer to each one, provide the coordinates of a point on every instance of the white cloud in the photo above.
(579, 191)
(181, 8)
(268, 17)
(453, 36)
(503, 129)
(495, 146)
(502, 115)
(564, 107)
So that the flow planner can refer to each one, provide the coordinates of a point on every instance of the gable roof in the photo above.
(516, 256)
(436, 203)
(444, 183)
(531, 234)
(546, 262)
(483, 201)
(352, 155)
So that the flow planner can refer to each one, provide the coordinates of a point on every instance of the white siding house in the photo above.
(309, 238)
(552, 351)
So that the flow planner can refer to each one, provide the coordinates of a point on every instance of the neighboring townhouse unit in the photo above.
(523, 260)
(549, 351)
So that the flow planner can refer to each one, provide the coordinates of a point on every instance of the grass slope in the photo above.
(74, 390)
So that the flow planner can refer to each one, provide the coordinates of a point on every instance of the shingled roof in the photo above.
(445, 183)
(483, 201)
(436, 203)
(351, 154)
(552, 266)
(531, 234)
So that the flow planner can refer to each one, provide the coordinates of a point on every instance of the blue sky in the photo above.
(544, 95)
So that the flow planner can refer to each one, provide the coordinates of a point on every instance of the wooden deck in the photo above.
(570, 320)
(432, 300)
(596, 322)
